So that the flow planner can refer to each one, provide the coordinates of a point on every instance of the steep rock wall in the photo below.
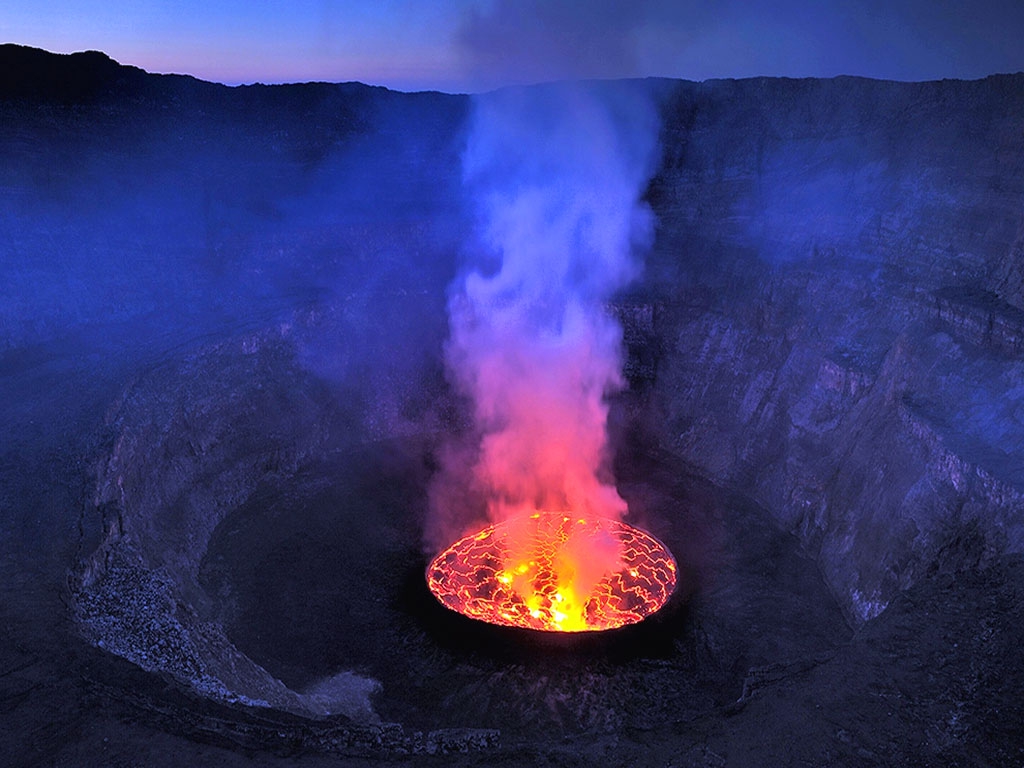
(839, 312)
(831, 320)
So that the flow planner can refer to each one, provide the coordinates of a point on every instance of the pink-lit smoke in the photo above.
(556, 173)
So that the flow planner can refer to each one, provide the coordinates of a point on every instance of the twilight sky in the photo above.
(468, 45)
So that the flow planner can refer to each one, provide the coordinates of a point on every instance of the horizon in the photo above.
(284, 83)
(478, 45)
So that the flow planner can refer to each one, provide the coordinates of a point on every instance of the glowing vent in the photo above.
(555, 572)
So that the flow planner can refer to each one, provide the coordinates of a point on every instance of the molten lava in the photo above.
(555, 572)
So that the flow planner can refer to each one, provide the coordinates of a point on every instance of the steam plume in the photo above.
(556, 173)
(532, 41)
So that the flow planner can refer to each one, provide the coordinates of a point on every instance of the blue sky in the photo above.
(460, 45)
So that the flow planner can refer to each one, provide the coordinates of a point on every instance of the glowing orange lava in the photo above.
(555, 572)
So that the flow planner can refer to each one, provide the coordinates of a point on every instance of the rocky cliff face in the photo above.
(831, 324)
(832, 318)
(837, 275)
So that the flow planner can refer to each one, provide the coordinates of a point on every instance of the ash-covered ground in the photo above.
(223, 396)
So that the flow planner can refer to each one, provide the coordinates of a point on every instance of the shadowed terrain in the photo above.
(223, 396)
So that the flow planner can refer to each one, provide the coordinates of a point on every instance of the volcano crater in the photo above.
(259, 544)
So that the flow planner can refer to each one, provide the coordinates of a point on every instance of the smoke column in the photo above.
(555, 173)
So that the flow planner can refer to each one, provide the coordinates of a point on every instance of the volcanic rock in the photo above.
(221, 349)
